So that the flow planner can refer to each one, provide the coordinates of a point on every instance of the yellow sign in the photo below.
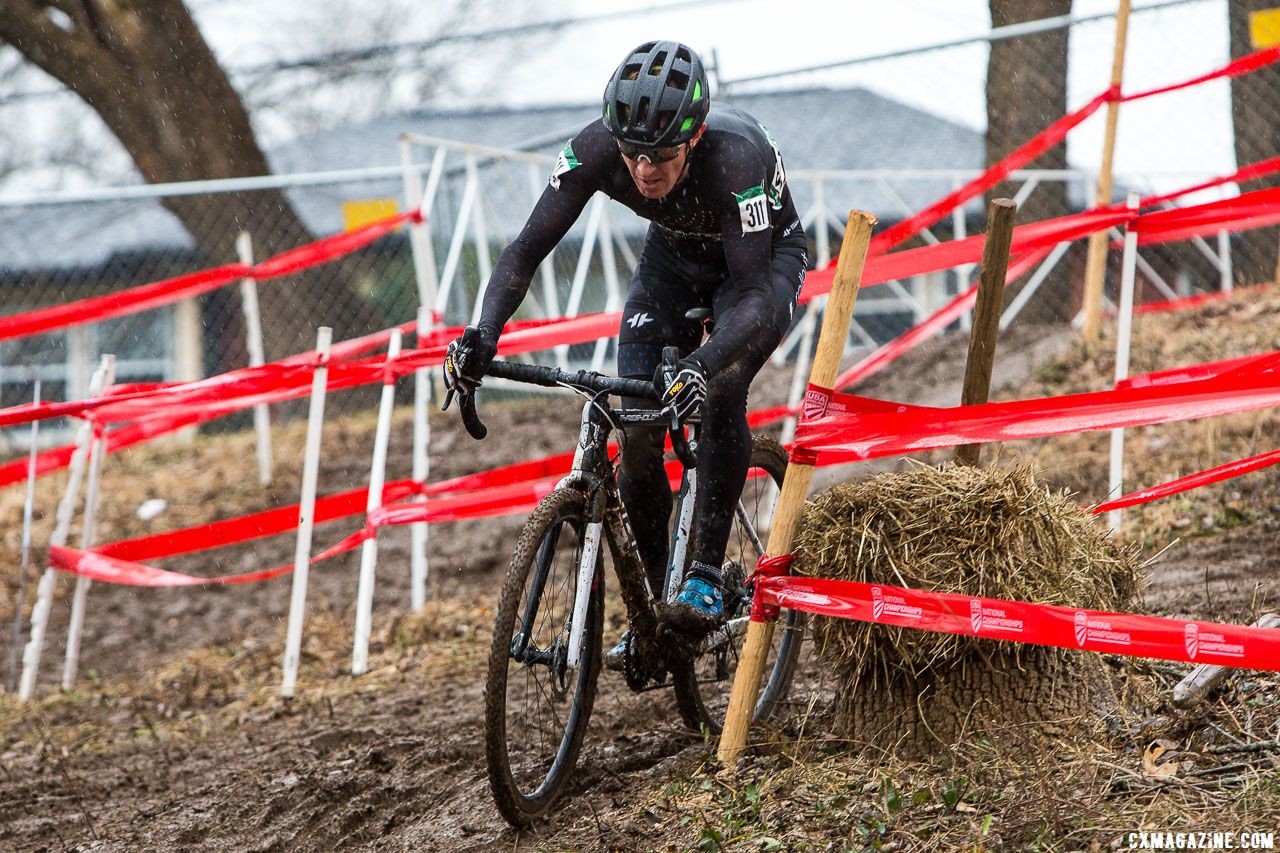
(365, 210)
(1264, 28)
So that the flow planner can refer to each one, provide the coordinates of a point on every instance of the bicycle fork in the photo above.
(607, 518)
(586, 578)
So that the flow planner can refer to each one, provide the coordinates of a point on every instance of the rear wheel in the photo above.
(537, 705)
(702, 691)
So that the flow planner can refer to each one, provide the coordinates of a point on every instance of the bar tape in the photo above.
(1038, 624)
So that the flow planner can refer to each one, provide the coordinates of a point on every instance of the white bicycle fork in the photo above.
(582, 594)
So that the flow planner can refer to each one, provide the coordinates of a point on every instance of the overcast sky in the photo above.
(1182, 132)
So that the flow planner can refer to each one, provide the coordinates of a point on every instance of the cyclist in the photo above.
(724, 235)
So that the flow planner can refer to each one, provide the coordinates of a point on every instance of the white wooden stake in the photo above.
(88, 532)
(61, 529)
(418, 535)
(369, 549)
(28, 511)
(253, 341)
(306, 514)
(1124, 332)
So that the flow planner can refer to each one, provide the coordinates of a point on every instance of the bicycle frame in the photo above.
(593, 473)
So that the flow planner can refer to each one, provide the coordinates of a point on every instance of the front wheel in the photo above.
(702, 690)
(537, 702)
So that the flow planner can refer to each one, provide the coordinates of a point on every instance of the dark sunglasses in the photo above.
(653, 155)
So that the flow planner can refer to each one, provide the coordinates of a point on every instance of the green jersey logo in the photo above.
(566, 161)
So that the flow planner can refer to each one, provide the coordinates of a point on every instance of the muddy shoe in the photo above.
(697, 609)
(616, 658)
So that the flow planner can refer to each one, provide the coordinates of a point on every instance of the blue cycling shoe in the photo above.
(616, 658)
(701, 599)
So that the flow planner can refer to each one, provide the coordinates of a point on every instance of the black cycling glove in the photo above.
(681, 391)
(467, 359)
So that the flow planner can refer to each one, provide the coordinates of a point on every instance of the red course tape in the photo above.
(1038, 624)
(841, 437)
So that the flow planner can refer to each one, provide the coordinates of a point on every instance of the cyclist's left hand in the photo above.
(682, 393)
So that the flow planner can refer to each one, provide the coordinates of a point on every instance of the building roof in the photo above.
(817, 129)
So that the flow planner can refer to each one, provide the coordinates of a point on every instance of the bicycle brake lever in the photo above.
(471, 418)
(680, 444)
(448, 398)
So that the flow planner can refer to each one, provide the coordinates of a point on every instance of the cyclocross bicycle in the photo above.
(546, 654)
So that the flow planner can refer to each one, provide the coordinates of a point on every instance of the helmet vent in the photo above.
(683, 53)
(631, 72)
(642, 112)
(658, 61)
(677, 80)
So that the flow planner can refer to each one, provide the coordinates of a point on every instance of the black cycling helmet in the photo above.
(658, 96)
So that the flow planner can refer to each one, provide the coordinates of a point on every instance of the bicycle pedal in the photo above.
(683, 630)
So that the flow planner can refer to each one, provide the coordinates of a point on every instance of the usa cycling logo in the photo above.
(815, 403)
(1082, 627)
(975, 615)
(1191, 636)
(877, 603)
(635, 321)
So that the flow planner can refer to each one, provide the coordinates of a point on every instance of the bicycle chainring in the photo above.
(736, 593)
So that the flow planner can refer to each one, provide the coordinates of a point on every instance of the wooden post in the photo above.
(1096, 265)
(986, 314)
(795, 486)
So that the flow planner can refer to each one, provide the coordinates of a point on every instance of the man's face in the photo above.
(656, 171)
(656, 179)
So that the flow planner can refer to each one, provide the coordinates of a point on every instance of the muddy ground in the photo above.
(175, 737)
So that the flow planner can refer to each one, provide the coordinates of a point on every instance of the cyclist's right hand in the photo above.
(681, 387)
(466, 360)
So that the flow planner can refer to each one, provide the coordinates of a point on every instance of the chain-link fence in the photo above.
(1041, 71)
(917, 136)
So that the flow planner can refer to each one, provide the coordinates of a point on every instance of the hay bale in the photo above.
(988, 532)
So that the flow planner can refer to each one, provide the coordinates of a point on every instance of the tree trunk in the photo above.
(146, 70)
(1255, 117)
(1027, 90)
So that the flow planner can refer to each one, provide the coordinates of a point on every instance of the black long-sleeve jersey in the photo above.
(731, 207)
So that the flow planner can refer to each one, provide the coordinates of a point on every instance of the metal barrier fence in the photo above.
(477, 199)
